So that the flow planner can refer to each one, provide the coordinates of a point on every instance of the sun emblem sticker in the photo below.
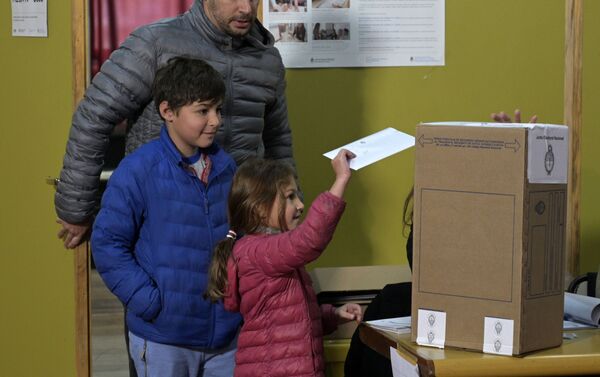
(431, 328)
(549, 160)
(498, 336)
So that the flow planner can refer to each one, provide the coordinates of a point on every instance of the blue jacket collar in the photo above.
(216, 154)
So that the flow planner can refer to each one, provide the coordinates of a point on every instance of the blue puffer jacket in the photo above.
(152, 243)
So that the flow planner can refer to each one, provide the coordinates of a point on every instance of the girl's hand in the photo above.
(341, 168)
(349, 312)
(340, 164)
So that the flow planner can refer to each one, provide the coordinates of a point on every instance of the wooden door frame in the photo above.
(572, 118)
(79, 40)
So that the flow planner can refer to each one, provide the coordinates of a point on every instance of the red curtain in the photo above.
(112, 21)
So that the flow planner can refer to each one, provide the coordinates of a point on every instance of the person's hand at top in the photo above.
(349, 312)
(341, 168)
(73, 234)
(502, 117)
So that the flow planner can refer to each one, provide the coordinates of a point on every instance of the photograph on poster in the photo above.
(323, 4)
(331, 31)
(357, 33)
(288, 32)
(287, 5)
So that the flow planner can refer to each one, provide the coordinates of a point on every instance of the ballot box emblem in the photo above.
(430, 336)
(549, 160)
(431, 319)
(498, 328)
(497, 345)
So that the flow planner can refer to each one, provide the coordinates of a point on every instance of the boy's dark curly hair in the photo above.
(184, 81)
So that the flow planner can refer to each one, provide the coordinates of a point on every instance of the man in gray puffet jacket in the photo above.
(227, 35)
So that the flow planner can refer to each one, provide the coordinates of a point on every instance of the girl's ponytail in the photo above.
(217, 272)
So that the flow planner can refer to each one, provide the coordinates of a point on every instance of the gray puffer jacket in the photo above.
(255, 121)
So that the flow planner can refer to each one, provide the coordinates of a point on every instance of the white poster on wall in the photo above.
(357, 33)
(29, 18)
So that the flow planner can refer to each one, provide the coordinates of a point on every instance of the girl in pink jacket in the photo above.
(262, 274)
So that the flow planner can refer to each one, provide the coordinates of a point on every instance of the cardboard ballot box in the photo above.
(489, 236)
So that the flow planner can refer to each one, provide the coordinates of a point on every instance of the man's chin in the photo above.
(238, 29)
(237, 33)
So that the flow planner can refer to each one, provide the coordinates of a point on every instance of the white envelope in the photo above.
(375, 147)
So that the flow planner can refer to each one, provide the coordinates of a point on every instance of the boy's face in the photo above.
(192, 126)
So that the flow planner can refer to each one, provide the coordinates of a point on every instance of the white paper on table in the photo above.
(375, 147)
(579, 308)
(571, 325)
(398, 325)
(402, 367)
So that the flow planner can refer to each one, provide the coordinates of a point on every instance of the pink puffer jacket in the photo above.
(282, 334)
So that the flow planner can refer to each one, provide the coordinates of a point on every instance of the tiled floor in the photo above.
(109, 355)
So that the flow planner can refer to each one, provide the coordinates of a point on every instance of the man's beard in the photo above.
(225, 25)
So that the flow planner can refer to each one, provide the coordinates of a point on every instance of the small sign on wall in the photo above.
(29, 18)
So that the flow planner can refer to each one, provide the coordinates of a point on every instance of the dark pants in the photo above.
(394, 300)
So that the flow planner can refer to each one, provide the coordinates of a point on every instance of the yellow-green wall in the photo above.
(36, 273)
(590, 171)
(499, 55)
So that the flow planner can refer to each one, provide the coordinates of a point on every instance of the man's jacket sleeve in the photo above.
(119, 91)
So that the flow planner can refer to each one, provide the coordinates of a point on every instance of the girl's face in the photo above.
(293, 207)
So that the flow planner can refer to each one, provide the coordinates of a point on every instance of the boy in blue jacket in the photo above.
(162, 213)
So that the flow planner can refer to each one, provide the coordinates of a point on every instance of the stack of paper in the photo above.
(399, 325)
(581, 309)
